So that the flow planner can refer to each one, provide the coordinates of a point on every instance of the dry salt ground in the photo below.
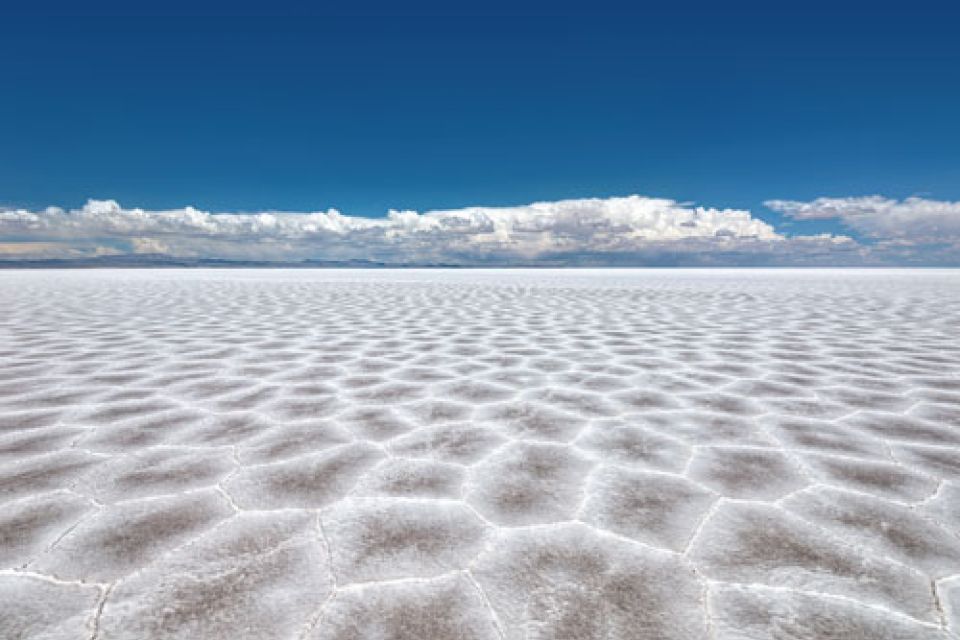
(672, 455)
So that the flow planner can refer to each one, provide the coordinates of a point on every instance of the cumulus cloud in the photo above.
(43, 250)
(909, 221)
(632, 230)
(585, 227)
(29, 250)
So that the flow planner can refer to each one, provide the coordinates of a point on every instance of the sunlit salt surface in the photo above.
(480, 454)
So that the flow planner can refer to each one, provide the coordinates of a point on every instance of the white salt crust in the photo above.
(480, 454)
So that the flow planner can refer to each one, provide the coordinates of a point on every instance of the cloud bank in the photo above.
(632, 230)
(916, 220)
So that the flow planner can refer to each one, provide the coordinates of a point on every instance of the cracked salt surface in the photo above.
(480, 454)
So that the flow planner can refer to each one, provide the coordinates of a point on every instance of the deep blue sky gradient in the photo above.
(430, 106)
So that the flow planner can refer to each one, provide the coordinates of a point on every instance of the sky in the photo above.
(733, 133)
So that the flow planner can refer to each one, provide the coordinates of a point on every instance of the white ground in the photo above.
(430, 455)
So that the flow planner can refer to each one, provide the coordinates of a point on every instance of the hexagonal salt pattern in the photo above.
(39, 607)
(480, 454)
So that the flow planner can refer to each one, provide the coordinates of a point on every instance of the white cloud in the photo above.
(28, 249)
(594, 226)
(913, 220)
(149, 245)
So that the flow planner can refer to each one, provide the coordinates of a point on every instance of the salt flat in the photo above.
(480, 454)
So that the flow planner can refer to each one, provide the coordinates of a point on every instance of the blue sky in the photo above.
(725, 105)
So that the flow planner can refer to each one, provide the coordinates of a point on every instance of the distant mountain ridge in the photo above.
(133, 261)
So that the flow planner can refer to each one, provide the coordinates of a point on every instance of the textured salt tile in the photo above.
(18, 445)
(122, 538)
(43, 473)
(303, 408)
(611, 440)
(125, 410)
(705, 379)
(421, 374)
(412, 478)
(309, 481)
(740, 613)
(941, 383)
(222, 430)
(445, 608)
(944, 508)
(476, 392)
(872, 383)
(667, 383)
(123, 438)
(655, 508)
(819, 409)
(389, 393)
(531, 420)
(725, 403)
(904, 428)
(942, 462)
(527, 484)
(698, 427)
(595, 382)
(647, 400)
(157, 471)
(375, 423)
(35, 609)
(31, 525)
(210, 388)
(25, 420)
(247, 400)
(824, 437)
(360, 382)
(432, 362)
(437, 411)
(125, 394)
(949, 593)
(518, 379)
(767, 389)
(940, 413)
(374, 365)
(858, 399)
(461, 443)
(884, 479)
(756, 543)
(804, 378)
(60, 397)
(384, 539)
(936, 397)
(549, 364)
(747, 473)
(887, 528)
(139, 432)
(311, 389)
(583, 403)
(289, 440)
(567, 581)
(256, 576)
